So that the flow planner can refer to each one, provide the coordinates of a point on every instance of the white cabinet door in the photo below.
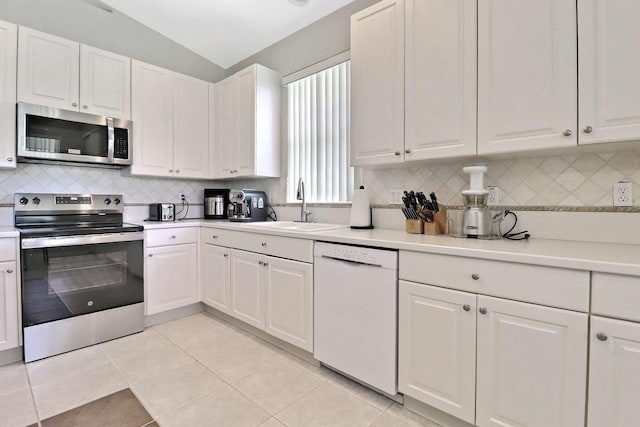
(105, 83)
(215, 276)
(527, 74)
(152, 114)
(377, 84)
(531, 365)
(225, 152)
(441, 83)
(190, 127)
(614, 373)
(171, 277)
(608, 36)
(289, 301)
(437, 348)
(246, 115)
(247, 289)
(8, 53)
(9, 323)
(48, 69)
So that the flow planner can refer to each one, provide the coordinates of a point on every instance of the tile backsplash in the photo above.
(580, 179)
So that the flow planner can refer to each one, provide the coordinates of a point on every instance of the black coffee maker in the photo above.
(216, 201)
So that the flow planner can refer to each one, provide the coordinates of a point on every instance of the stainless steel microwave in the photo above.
(47, 133)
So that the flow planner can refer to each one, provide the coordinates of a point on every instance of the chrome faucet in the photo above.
(304, 213)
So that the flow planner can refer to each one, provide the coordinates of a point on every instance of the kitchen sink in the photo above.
(298, 226)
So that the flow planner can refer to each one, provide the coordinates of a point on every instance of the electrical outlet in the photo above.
(182, 198)
(395, 197)
(623, 193)
(494, 196)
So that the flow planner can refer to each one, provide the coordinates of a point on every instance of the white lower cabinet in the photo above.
(531, 365)
(9, 323)
(437, 348)
(171, 269)
(614, 373)
(492, 361)
(215, 276)
(289, 301)
(273, 294)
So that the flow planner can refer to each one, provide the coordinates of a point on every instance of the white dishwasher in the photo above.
(355, 302)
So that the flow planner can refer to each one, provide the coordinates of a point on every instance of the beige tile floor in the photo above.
(197, 371)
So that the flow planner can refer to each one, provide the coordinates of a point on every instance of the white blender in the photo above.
(476, 218)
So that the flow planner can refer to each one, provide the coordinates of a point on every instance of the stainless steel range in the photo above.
(82, 271)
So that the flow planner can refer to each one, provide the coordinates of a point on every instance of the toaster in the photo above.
(162, 212)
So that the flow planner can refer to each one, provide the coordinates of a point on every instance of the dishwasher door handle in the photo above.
(350, 262)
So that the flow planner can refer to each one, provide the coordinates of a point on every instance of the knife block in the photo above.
(414, 226)
(439, 224)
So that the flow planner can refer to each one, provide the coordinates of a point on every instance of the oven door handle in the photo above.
(88, 239)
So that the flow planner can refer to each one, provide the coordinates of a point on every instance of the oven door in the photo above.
(67, 276)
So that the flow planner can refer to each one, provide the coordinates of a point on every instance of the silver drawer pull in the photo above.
(602, 336)
(567, 132)
(226, 255)
(10, 270)
(150, 255)
(260, 262)
(483, 310)
(173, 237)
(214, 236)
(264, 244)
(265, 263)
(466, 307)
(475, 276)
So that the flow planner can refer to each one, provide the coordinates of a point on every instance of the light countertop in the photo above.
(600, 257)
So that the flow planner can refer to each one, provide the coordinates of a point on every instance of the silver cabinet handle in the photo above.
(214, 236)
(265, 263)
(74, 104)
(602, 336)
(408, 151)
(588, 129)
(226, 255)
(397, 153)
(567, 132)
(264, 244)
(10, 270)
(173, 237)
(85, 107)
(475, 276)
(466, 307)
(483, 310)
(171, 170)
(177, 170)
(150, 255)
(260, 262)
(9, 159)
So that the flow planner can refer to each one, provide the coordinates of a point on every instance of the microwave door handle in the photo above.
(111, 138)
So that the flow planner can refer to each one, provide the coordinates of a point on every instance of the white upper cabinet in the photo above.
(441, 81)
(61, 73)
(152, 114)
(190, 126)
(377, 84)
(527, 73)
(171, 123)
(609, 37)
(48, 70)
(247, 136)
(105, 83)
(8, 53)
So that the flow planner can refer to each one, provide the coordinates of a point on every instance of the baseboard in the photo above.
(175, 314)
(10, 356)
(433, 414)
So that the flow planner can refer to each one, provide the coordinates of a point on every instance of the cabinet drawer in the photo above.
(171, 236)
(214, 236)
(283, 247)
(556, 287)
(615, 295)
(8, 249)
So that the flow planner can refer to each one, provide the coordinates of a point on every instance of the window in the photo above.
(318, 136)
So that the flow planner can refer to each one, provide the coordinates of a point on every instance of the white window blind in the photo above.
(318, 136)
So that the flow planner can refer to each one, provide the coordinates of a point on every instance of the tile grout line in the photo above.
(33, 398)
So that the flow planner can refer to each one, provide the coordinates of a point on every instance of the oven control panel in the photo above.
(38, 202)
